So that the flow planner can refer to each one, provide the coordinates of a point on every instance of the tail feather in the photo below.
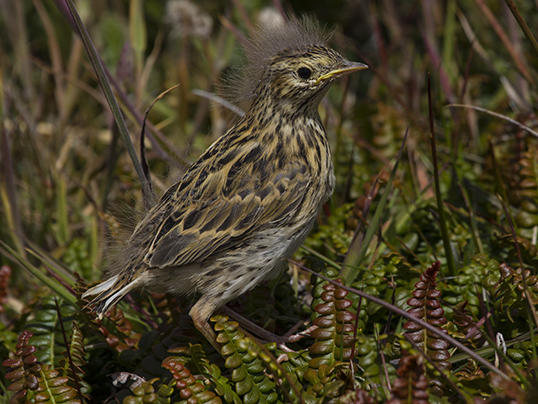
(96, 290)
(110, 292)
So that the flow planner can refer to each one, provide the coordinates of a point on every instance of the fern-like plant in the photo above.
(411, 385)
(33, 382)
(425, 306)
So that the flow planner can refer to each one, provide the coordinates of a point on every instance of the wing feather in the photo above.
(191, 225)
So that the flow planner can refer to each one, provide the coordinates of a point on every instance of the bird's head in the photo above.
(303, 75)
(290, 65)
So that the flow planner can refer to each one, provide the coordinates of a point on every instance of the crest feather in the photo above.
(267, 42)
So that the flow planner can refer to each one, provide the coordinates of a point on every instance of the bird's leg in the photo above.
(262, 333)
(266, 336)
(200, 314)
(204, 308)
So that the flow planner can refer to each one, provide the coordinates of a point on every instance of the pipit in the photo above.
(251, 199)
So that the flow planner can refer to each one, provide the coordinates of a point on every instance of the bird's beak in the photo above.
(345, 68)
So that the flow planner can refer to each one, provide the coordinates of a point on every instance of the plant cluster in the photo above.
(417, 285)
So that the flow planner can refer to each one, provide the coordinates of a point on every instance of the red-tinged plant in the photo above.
(425, 306)
(411, 384)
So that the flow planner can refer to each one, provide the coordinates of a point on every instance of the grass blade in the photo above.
(440, 204)
(357, 249)
(55, 286)
(524, 27)
(116, 111)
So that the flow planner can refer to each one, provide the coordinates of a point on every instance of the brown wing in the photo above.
(219, 204)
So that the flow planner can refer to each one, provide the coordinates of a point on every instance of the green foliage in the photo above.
(145, 393)
(74, 362)
(247, 370)
(480, 272)
(67, 189)
(77, 258)
(334, 234)
(48, 333)
(334, 343)
(33, 381)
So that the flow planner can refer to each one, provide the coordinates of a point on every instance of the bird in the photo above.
(250, 200)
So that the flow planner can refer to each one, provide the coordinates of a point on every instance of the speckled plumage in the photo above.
(251, 199)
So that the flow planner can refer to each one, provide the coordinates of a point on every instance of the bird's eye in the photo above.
(304, 72)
